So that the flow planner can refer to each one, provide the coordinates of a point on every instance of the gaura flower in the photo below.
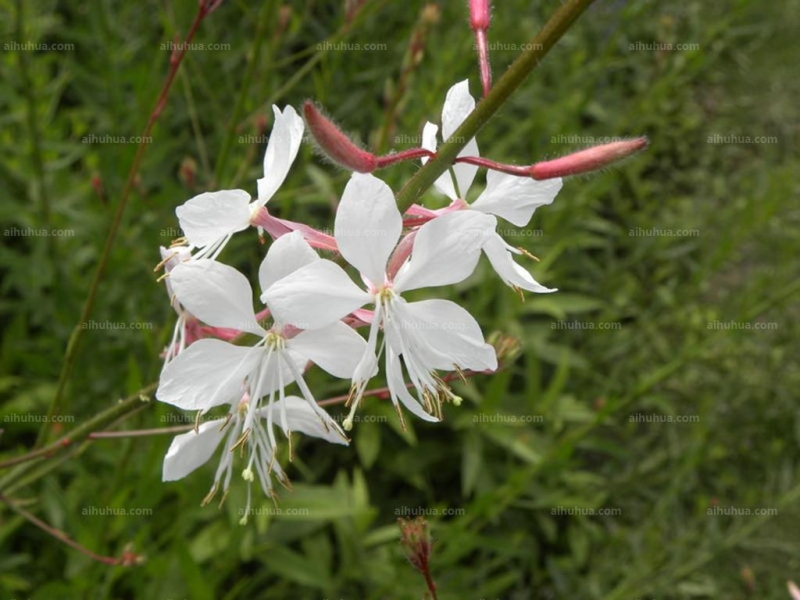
(189, 451)
(187, 328)
(213, 372)
(512, 198)
(794, 591)
(423, 336)
(209, 220)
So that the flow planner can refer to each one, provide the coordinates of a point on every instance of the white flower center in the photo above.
(275, 341)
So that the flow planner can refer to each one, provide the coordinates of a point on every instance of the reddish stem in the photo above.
(410, 154)
(204, 9)
(480, 18)
(127, 559)
(495, 166)
(483, 60)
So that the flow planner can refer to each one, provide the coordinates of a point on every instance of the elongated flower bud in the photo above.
(479, 19)
(479, 14)
(793, 590)
(586, 161)
(336, 145)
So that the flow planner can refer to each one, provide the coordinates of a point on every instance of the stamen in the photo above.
(242, 439)
(400, 414)
(528, 254)
(224, 497)
(458, 370)
(228, 418)
(291, 446)
(210, 495)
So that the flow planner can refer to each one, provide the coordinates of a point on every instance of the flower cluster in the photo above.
(226, 353)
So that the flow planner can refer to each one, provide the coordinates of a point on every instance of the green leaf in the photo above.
(296, 567)
(368, 443)
(471, 462)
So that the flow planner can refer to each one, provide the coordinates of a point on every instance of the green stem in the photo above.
(72, 345)
(267, 10)
(646, 583)
(40, 187)
(58, 534)
(317, 56)
(517, 484)
(79, 434)
(526, 62)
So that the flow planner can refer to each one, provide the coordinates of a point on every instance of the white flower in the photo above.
(212, 372)
(190, 450)
(513, 198)
(210, 219)
(426, 336)
(184, 332)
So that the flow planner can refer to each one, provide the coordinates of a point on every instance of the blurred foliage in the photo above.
(494, 491)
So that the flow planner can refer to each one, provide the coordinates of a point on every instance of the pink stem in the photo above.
(400, 254)
(495, 166)
(480, 18)
(127, 559)
(410, 154)
(483, 60)
(276, 227)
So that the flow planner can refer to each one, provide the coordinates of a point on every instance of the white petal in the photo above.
(445, 181)
(314, 296)
(457, 106)
(216, 294)
(398, 389)
(446, 250)
(286, 254)
(213, 215)
(336, 349)
(301, 417)
(515, 198)
(287, 133)
(172, 257)
(368, 225)
(447, 335)
(509, 271)
(429, 138)
(191, 450)
(208, 373)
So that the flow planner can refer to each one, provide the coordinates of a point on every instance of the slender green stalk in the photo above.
(194, 118)
(526, 62)
(58, 534)
(40, 186)
(298, 75)
(267, 9)
(77, 435)
(75, 337)
(516, 485)
(647, 583)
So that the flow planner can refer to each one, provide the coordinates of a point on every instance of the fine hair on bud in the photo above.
(588, 160)
(334, 144)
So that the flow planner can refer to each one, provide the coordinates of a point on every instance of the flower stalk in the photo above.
(516, 74)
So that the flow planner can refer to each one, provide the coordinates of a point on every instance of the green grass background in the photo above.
(582, 449)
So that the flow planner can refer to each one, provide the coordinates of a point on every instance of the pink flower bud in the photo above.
(586, 161)
(479, 14)
(97, 186)
(416, 540)
(793, 590)
(336, 145)
(188, 172)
